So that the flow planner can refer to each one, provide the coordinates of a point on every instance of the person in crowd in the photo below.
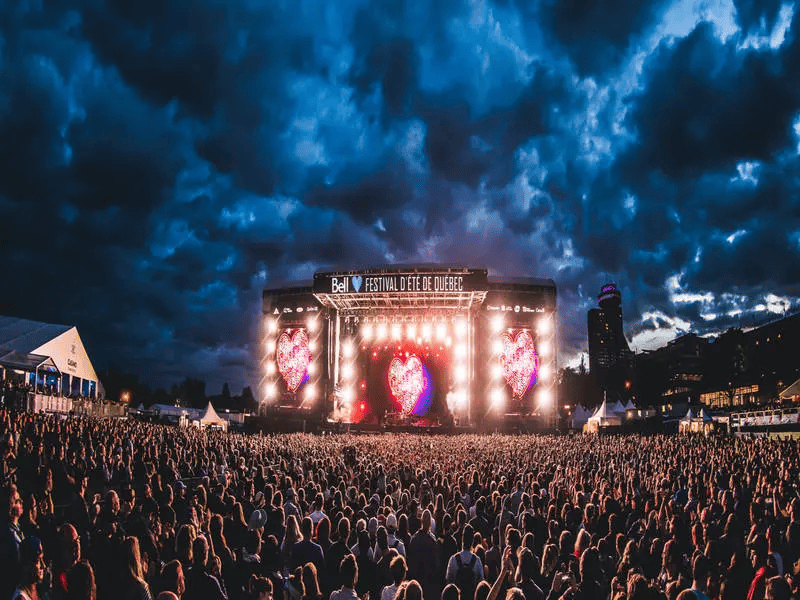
(634, 516)
(348, 570)
(81, 583)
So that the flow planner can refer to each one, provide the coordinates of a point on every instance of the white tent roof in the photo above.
(617, 408)
(689, 415)
(704, 415)
(210, 416)
(605, 411)
(629, 406)
(62, 343)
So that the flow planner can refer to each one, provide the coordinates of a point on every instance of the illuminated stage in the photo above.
(413, 346)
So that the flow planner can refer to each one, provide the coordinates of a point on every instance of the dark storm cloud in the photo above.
(596, 34)
(752, 14)
(160, 165)
(708, 105)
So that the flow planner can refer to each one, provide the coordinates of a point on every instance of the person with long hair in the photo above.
(31, 569)
(132, 578)
(221, 549)
(172, 579)
(310, 581)
(80, 582)
(202, 584)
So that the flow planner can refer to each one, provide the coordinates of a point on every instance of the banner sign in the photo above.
(400, 282)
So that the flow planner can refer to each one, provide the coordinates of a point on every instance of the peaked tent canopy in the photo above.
(210, 417)
(689, 415)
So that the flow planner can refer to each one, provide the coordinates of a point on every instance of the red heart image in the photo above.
(293, 356)
(519, 360)
(406, 381)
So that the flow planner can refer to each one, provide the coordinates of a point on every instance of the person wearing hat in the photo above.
(258, 519)
(758, 557)
(31, 569)
(391, 530)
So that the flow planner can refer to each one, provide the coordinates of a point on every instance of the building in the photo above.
(607, 343)
(49, 356)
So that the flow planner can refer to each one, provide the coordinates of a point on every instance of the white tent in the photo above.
(60, 344)
(210, 418)
(604, 417)
(700, 423)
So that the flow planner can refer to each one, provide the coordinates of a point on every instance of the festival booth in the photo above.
(605, 418)
(49, 358)
(210, 419)
(700, 423)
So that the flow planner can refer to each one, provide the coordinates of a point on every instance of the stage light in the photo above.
(497, 371)
(544, 372)
(367, 331)
(312, 345)
(411, 331)
(461, 328)
(544, 348)
(272, 325)
(460, 351)
(348, 348)
(271, 391)
(497, 397)
(545, 397)
(310, 392)
(544, 325)
(311, 368)
(311, 324)
(380, 332)
(270, 367)
(269, 346)
(497, 323)
(448, 341)
(441, 331)
(426, 331)
(497, 347)
(460, 398)
(397, 331)
(347, 371)
(348, 395)
(460, 373)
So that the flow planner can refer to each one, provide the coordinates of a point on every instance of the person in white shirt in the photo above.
(398, 570)
(348, 570)
(391, 529)
(318, 513)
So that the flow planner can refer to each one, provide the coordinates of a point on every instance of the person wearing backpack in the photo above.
(465, 569)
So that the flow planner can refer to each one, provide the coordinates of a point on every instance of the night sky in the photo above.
(162, 162)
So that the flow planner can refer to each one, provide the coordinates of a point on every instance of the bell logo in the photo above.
(339, 285)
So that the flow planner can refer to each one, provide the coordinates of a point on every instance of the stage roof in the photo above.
(402, 287)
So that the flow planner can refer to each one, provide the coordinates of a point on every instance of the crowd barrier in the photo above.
(61, 405)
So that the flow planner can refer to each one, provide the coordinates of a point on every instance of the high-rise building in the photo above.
(607, 342)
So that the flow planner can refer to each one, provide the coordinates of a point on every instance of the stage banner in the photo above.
(412, 282)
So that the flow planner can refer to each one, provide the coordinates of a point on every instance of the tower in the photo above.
(607, 343)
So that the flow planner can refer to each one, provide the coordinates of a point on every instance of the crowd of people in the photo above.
(125, 509)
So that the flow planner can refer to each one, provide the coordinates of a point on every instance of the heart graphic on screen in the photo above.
(293, 356)
(519, 360)
(406, 381)
(357, 281)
